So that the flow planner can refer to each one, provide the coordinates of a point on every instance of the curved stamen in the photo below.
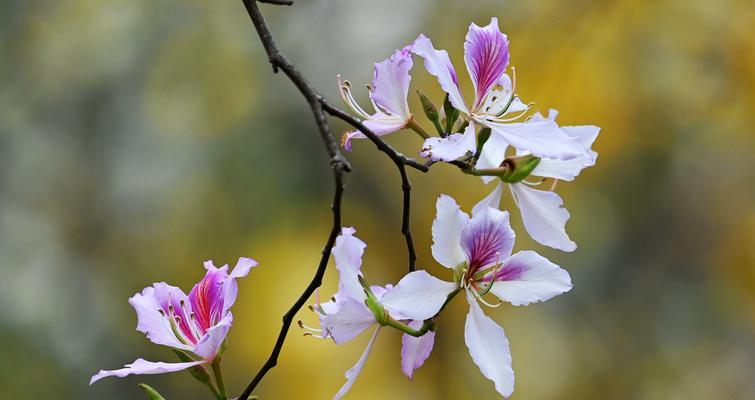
(348, 99)
(514, 118)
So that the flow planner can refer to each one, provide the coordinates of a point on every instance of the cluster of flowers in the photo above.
(477, 250)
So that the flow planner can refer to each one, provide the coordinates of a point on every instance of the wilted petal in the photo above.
(348, 252)
(438, 64)
(486, 53)
(210, 343)
(152, 320)
(144, 367)
(488, 238)
(415, 350)
(353, 372)
(418, 295)
(390, 84)
(489, 348)
(527, 277)
(491, 200)
(447, 226)
(541, 138)
(351, 318)
(544, 216)
(451, 147)
(492, 155)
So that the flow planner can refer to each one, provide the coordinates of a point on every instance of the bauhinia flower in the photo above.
(388, 93)
(486, 54)
(196, 325)
(357, 307)
(478, 250)
(542, 211)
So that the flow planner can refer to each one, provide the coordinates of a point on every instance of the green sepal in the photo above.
(431, 112)
(372, 303)
(151, 392)
(521, 168)
(197, 371)
(482, 138)
(451, 114)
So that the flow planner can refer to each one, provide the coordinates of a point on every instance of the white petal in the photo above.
(489, 348)
(347, 253)
(351, 319)
(438, 64)
(144, 367)
(492, 155)
(544, 216)
(451, 147)
(541, 138)
(447, 226)
(418, 295)
(415, 350)
(353, 372)
(491, 200)
(210, 343)
(569, 169)
(527, 277)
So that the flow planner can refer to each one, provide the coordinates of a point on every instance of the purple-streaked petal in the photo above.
(210, 343)
(447, 226)
(144, 367)
(207, 297)
(351, 319)
(353, 372)
(492, 155)
(418, 295)
(451, 147)
(544, 216)
(488, 238)
(491, 200)
(348, 252)
(390, 84)
(527, 277)
(152, 320)
(486, 53)
(380, 124)
(415, 350)
(489, 348)
(231, 287)
(541, 138)
(438, 64)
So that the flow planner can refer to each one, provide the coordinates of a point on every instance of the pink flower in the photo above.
(196, 324)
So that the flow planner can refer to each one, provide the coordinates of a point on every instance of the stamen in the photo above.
(509, 119)
(348, 99)
(553, 186)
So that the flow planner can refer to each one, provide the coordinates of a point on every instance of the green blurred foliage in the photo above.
(139, 138)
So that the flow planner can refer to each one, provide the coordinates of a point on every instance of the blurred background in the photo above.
(140, 138)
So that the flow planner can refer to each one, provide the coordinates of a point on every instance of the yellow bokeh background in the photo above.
(140, 138)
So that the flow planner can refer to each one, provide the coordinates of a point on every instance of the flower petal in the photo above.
(528, 277)
(492, 155)
(438, 64)
(489, 348)
(567, 170)
(231, 287)
(152, 306)
(451, 147)
(541, 138)
(488, 238)
(379, 123)
(390, 85)
(418, 295)
(210, 343)
(447, 226)
(544, 216)
(144, 367)
(486, 53)
(348, 252)
(415, 350)
(351, 318)
(491, 200)
(207, 297)
(499, 98)
(353, 372)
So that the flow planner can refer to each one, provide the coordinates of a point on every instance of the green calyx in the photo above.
(372, 303)
(151, 392)
(519, 168)
(431, 112)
